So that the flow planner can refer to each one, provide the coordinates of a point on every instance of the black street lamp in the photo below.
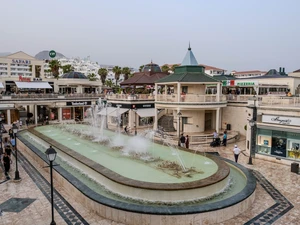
(179, 114)
(51, 155)
(252, 124)
(15, 131)
(135, 131)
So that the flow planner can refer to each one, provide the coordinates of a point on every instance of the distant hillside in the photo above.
(45, 55)
(4, 53)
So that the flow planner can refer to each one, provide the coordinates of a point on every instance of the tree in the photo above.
(67, 68)
(54, 66)
(141, 68)
(37, 70)
(173, 67)
(117, 70)
(108, 83)
(165, 68)
(103, 74)
(126, 71)
(92, 77)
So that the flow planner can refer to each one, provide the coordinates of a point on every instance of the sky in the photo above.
(229, 34)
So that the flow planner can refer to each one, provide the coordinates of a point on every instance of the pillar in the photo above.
(218, 120)
(218, 91)
(60, 114)
(35, 115)
(156, 90)
(178, 92)
(83, 113)
(178, 123)
(155, 119)
(8, 117)
(33, 71)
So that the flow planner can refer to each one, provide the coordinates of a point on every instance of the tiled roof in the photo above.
(297, 71)
(250, 71)
(142, 78)
(224, 77)
(211, 67)
(189, 59)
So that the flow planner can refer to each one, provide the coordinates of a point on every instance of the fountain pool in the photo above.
(151, 181)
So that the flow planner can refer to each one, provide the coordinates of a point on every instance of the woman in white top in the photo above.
(236, 152)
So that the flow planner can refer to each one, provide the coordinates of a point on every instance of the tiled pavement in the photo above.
(278, 190)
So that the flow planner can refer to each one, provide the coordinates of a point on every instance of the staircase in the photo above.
(166, 122)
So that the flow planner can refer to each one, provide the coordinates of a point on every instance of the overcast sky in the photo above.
(229, 34)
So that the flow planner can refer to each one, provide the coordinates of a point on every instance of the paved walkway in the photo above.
(28, 203)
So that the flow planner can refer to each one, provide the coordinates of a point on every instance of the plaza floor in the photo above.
(28, 202)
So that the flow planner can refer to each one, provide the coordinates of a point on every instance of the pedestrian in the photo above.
(215, 134)
(225, 138)
(236, 152)
(187, 141)
(182, 141)
(11, 133)
(126, 130)
(6, 162)
(13, 143)
(8, 150)
(1, 153)
(21, 123)
(6, 142)
(27, 122)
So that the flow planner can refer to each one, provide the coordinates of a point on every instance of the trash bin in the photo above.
(228, 126)
(295, 167)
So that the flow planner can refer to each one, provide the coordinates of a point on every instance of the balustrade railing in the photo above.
(130, 96)
(189, 98)
(49, 96)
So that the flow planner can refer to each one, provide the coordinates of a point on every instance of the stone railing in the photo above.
(189, 98)
(49, 96)
(279, 101)
(130, 97)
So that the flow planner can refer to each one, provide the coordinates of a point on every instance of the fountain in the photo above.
(136, 176)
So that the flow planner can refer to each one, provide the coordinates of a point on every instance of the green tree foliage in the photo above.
(173, 67)
(126, 71)
(118, 71)
(67, 68)
(103, 74)
(141, 68)
(92, 77)
(165, 68)
(54, 66)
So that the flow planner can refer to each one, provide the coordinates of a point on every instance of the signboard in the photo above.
(24, 79)
(228, 82)
(278, 146)
(282, 120)
(79, 103)
(52, 54)
(134, 106)
(21, 61)
(246, 83)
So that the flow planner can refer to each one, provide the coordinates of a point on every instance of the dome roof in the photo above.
(152, 67)
(74, 75)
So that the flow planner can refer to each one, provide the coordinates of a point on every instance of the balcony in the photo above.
(279, 102)
(190, 98)
(130, 97)
(41, 97)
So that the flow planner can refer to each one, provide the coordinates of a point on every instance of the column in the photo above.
(60, 114)
(218, 120)
(42, 73)
(155, 119)
(166, 91)
(156, 90)
(178, 123)
(8, 117)
(35, 115)
(82, 113)
(178, 92)
(33, 71)
(218, 91)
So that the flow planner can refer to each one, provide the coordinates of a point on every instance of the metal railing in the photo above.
(130, 97)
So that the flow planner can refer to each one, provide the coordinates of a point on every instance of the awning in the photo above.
(146, 112)
(108, 110)
(121, 111)
(33, 84)
(1, 85)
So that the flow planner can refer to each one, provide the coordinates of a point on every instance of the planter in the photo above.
(295, 167)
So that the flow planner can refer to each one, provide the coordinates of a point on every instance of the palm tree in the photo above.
(92, 77)
(103, 74)
(117, 70)
(173, 67)
(141, 68)
(165, 68)
(37, 70)
(108, 83)
(54, 66)
(67, 68)
(126, 71)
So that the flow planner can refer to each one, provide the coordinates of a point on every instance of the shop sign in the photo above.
(24, 79)
(282, 120)
(79, 103)
(246, 83)
(21, 61)
(6, 106)
(228, 83)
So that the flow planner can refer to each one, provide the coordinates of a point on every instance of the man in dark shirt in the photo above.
(8, 150)
(182, 141)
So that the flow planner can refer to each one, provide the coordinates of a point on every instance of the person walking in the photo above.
(236, 152)
(6, 162)
(225, 138)
(182, 141)
(126, 130)
(11, 133)
(187, 141)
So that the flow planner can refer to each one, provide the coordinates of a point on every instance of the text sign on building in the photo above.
(282, 120)
(246, 83)
(79, 103)
(21, 61)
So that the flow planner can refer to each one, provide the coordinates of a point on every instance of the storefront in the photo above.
(278, 136)
(75, 110)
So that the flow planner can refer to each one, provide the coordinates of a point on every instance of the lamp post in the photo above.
(252, 124)
(179, 114)
(15, 131)
(135, 131)
(1, 140)
(51, 155)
